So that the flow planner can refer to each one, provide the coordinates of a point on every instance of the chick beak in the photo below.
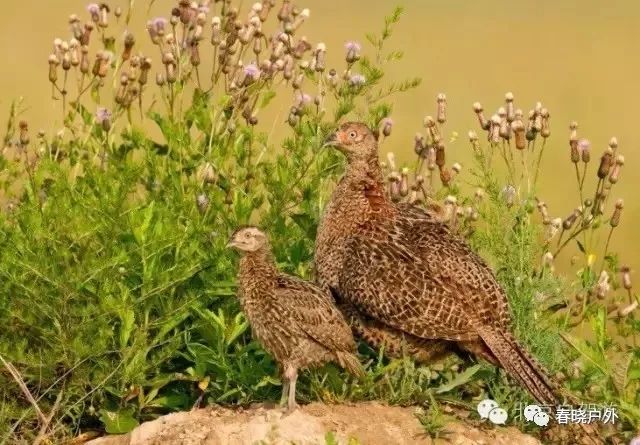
(331, 140)
(230, 244)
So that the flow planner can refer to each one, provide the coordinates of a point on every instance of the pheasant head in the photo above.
(356, 141)
(248, 239)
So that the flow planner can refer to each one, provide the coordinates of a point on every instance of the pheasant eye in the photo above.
(352, 134)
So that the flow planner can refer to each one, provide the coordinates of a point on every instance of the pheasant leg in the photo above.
(291, 374)
(285, 392)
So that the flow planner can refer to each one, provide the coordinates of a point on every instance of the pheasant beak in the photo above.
(231, 244)
(331, 140)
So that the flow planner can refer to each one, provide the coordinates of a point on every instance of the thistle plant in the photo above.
(119, 294)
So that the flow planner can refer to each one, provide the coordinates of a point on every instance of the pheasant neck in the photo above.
(259, 266)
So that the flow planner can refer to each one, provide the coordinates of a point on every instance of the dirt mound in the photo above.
(369, 423)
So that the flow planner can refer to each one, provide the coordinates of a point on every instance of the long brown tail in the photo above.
(522, 366)
(351, 363)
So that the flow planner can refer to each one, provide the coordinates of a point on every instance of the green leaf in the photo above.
(118, 422)
(461, 379)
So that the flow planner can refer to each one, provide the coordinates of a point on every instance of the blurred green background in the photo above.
(579, 57)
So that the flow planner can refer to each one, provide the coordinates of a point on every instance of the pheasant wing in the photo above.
(314, 313)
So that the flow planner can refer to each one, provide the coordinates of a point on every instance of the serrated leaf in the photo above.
(118, 422)
(461, 379)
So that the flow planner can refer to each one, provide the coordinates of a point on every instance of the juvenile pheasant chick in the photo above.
(293, 319)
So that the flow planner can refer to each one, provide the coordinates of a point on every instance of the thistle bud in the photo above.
(571, 219)
(103, 119)
(387, 124)
(545, 130)
(53, 68)
(216, 31)
(473, 139)
(542, 208)
(394, 186)
(605, 163)
(518, 130)
(404, 182)
(445, 176)
(509, 105)
(482, 120)
(84, 60)
(86, 34)
(615, 218)
(508, 194)
(628, 309)
(494, 132)
(24, 133)
(505, 129)
(431, 158)
(626, 277)
(547, 260)
(479, 194)
(419, 145)
(352, 52)
(615, 171)
(129, 41)
(603, 286)
(441, 114)
(456, 167)
(440, 155)
(613, 143)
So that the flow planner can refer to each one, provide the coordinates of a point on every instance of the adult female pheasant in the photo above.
(293, 319)
(405, 269)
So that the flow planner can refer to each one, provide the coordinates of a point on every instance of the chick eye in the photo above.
(352, 134)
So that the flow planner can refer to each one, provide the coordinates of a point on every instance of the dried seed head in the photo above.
(605, 163)
(603, 286)
(479, 194)
(615, 218)
(626, 277)
(547, 260)
(482, 120)
(202, 202)
(431, 158)
(615, 171)
(518, 129)
(440, 155)
(206, 174)
(509, 106)
(456, 167)
(494, 131)
(508, 194)
(445, 176)
(53, 68)
(441, 114)
(613, 143)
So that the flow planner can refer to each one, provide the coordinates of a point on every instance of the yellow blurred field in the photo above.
(579, 57)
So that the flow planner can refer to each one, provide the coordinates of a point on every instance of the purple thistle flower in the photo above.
(102, 115)
(203, 8)
(352, 46)
(635, 441)
(159, 23)
(357, 80)
(252, 71)
(583, 145)
(93, 8)
(302, 99)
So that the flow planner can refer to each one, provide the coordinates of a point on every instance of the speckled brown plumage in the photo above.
(294, 320)
(402, 267)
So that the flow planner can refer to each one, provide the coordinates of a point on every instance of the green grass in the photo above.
(118, 297)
